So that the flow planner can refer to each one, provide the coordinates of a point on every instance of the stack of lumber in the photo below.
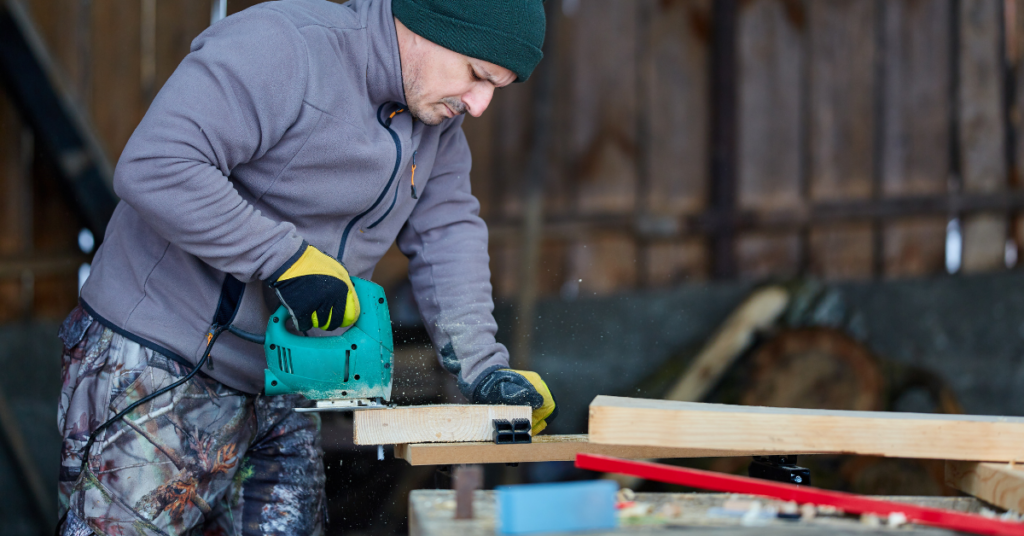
(639, 429)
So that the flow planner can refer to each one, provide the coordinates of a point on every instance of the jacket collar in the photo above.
(384, 66)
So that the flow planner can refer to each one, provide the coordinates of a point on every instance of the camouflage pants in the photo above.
(200, 459)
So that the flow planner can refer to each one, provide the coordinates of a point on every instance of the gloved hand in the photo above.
(519, 388)
(317, 291)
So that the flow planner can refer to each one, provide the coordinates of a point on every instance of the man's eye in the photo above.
(476, 77)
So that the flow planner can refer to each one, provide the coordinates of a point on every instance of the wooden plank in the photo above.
(842, 78)
(479, 133)
(1015, 64)
(600, 103)
(764, 255)
(178, 23)
(65, 26)
(915, 129)
(544, 448)
(997, 483)
(55, 224)
(677, 104)
(431, 424)
(602, 264)
(984, 242)
(841, 140)
(551, 268)
(914, 247)
(630, 421)
(771, 90)
(676, 263)
(982, 133)
(511, 142)
(915, 97)
(843, 251)
(503, 255)
(15, 203)
(980, 104)
(771, 141)
(117, 98)
(847, 502)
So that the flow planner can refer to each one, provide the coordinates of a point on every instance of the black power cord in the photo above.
(215, 332)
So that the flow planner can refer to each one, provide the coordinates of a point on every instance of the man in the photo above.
(295, 135)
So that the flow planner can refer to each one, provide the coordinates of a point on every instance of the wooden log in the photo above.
(999, 484)
(814, 368)
(427, 424)
(658, 423)
(544, 448)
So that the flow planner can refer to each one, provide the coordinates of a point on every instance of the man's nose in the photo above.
(478, 98)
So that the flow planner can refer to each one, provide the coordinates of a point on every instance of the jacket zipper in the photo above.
(395, 197)
(386, 123)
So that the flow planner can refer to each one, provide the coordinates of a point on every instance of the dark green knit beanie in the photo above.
(508, 33)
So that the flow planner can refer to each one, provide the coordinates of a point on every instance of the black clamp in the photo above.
(507, 432)
(780, 469)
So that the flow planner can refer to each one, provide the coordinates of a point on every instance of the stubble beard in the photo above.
(428, 112)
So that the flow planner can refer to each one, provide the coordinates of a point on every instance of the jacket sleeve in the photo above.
(229, 101)
(446, 242)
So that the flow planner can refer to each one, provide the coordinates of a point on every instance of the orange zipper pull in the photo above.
(414, 175)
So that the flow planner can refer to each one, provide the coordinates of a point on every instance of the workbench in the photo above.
(431, 513)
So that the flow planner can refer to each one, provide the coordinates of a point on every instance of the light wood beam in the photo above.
(997, 483)
(436, 423)
(544, 448)
(658, 423)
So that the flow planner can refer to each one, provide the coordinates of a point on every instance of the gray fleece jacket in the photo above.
(285, 123)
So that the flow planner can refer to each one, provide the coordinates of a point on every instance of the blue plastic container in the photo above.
(559, 507)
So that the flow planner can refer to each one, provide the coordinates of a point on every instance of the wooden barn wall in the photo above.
(111, 57)
(838, 101)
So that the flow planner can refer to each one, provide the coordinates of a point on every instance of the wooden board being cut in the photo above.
(450, 423)
(544, 448)
(659, 423)
(997, 483)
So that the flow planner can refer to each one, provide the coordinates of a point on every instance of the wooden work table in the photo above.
(431, 513)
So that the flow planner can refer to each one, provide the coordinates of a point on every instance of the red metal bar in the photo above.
(848, 502)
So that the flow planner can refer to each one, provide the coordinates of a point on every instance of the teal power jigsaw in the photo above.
(347, 372)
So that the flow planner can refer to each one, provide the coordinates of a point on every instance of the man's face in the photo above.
(440, 84)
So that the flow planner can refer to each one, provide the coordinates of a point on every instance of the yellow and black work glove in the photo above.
(317, 290)
(519, 388)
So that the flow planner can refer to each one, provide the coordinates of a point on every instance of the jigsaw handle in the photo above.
(373, 314)
(313, 366)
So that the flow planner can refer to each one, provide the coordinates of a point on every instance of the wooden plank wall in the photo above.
(112, 57)
(914, 135)
(838, 101)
